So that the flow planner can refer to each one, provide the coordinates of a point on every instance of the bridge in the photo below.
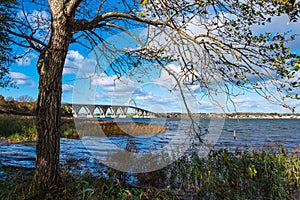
(113, 111)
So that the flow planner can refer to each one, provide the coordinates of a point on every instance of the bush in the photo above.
(16, 128)
(20, 128)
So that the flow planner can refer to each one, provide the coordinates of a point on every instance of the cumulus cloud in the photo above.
(74, 61)
(112, 87)
(153, 96)
(22, 79)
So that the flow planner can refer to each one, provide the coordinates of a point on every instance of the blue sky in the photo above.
(150, 92)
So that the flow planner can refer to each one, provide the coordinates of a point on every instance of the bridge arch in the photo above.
(110, 112)
(98, 112)
(84, 110)
(131, 102)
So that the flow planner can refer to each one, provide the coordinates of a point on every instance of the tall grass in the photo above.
(238, 175)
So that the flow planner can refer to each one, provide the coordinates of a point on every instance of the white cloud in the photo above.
(67, 88)
(246, 100)
(74, 61)
(75, 55)
(26, 59)
(22, 79)
(165, 78)
(17, 75)
(111, 87)
(255, 103)
(112, 82)
(38, 20)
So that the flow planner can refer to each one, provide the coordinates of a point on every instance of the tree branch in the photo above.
(81, 25)
(30, 39)
(71, 6)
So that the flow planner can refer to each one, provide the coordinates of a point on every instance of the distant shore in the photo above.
(196, 115)
(233, 115)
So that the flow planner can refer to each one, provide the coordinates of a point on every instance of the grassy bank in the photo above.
(223, 175)
(14, 128)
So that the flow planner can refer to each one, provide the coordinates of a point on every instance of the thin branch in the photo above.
(126, 31)
(27, 37)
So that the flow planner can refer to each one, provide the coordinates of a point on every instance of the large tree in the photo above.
(5, 55)
(241, 57)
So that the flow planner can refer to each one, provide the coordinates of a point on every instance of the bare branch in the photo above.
(126, 31)
(30, 39)
(71, 6)
(81, 25)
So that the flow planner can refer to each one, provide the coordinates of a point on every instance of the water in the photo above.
(259, 133)
(78, 155)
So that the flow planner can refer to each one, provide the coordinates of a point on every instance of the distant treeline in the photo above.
(231, 115)
(24, 105)
(16, 107)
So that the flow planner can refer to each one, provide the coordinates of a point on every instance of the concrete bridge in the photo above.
(113, 111)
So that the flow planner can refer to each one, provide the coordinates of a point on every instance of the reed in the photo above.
(232, 175)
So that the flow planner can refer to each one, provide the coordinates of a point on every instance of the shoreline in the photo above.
(181, 115)
(232, 115)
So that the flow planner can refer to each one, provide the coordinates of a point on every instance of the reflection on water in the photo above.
(250, 134)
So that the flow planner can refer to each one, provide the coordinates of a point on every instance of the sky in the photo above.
(153, 91)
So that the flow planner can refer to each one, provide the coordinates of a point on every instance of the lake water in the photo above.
(79, 155)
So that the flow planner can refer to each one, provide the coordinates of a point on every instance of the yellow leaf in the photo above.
(142, 14)
(143, 2)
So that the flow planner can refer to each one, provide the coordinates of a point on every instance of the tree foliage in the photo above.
(5, 55)
(243, 57)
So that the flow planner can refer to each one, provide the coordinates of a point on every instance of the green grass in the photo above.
(15, 128)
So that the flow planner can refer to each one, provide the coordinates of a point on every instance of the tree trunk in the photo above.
(50, 67)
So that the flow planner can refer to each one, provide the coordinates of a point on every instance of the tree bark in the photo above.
(50, 67)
